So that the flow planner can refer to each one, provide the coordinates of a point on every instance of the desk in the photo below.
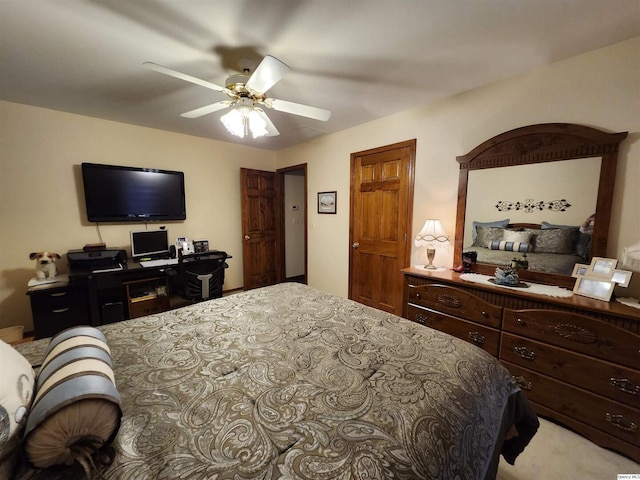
(113, 296)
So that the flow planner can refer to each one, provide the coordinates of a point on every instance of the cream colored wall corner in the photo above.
(41, 199)
(598, 89)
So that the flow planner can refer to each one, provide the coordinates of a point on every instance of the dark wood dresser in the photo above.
(578, 359)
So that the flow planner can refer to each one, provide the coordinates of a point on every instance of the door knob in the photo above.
(247, 237)
(355, 245)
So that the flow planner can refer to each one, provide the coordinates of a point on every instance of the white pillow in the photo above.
(17, 381)
(516, 236)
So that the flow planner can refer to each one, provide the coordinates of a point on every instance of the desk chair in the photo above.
(200, 276)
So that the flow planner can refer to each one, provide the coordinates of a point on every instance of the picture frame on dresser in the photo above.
(602, 267)
(593, 287)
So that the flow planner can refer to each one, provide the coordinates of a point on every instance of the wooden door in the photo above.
(260, 219)
(380, 224)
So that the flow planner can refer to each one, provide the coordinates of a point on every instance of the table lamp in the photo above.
(434, 238)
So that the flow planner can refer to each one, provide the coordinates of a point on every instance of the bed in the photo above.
(290, 382)
(545, 247)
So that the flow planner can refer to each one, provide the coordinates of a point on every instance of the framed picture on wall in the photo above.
(327, 202)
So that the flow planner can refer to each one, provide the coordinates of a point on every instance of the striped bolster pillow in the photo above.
(76, 410)
(509, 246)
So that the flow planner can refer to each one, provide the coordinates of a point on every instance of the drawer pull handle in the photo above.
(421, 319)
(477, 338)
(417, 295)
(523, 383)
(59, 294)
(620, 422)
(525, 353)
(625, 385)
(60, 310)
(485, 314)
(521, 322)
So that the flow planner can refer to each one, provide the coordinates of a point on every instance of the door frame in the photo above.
(280, 229)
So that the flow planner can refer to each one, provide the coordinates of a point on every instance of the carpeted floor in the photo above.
(556, 453)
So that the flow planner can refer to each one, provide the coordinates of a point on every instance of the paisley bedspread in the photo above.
(293, 383)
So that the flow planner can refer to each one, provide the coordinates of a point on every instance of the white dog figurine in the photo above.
(45, 264)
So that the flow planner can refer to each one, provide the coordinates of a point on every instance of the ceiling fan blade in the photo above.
(272, 131)
(187, 78)
(299, 109)
(267, 74)
(199, 112)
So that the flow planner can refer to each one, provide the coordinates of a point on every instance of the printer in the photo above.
(91, 259)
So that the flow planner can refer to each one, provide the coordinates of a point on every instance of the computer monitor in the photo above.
(149, 243)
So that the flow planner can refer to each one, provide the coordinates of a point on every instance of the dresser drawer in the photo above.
(454, 301)
(576, 332)
(484, 337)
(617, 419)
(618, 383)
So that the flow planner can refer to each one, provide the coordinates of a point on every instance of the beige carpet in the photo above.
(556, 453)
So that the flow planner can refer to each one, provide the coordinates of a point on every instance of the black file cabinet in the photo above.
(58, 307)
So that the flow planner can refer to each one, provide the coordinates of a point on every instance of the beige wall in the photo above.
(599, 89)
(41, 199)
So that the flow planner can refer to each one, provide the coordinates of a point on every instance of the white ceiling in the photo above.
(361, 59)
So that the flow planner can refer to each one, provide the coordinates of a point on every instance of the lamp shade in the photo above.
(432, 233)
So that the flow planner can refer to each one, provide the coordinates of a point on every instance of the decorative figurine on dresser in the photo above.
(576, 356)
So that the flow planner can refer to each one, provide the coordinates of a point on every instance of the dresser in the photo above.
(577, 359)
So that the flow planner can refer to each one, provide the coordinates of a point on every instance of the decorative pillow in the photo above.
(583, 240)
(497, 223)
(510, 246)
(486, 235)
(76, 410)
(519, 236)
(554, 240)
(18, 383)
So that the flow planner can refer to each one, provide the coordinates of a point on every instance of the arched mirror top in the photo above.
(535, 144)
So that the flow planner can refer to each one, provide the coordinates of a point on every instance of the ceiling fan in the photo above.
(247, 95)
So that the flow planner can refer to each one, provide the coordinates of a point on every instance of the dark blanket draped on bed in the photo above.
(290, 382)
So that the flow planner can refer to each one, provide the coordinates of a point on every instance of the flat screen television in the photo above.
(132, 194)
(149, 243)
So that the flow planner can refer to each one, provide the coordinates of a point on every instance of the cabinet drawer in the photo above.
(454, 301)
(617, 419)
(484, 337)
(148, 307)
(618, 383)
(47, 323)
(55, 298)
(576, 332)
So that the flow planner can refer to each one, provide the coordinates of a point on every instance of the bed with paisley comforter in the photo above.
(290, 382)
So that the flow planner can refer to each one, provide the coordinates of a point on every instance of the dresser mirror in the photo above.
(542, 178)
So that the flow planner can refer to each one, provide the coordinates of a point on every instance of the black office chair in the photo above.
(200, 276)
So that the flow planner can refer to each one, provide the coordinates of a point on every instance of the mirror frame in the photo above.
(546, 142)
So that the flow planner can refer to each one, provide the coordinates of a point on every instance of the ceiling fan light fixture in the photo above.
(234, 122)
(242, 119)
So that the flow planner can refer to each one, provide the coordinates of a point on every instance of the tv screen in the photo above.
(132, 194)
(149, 242)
